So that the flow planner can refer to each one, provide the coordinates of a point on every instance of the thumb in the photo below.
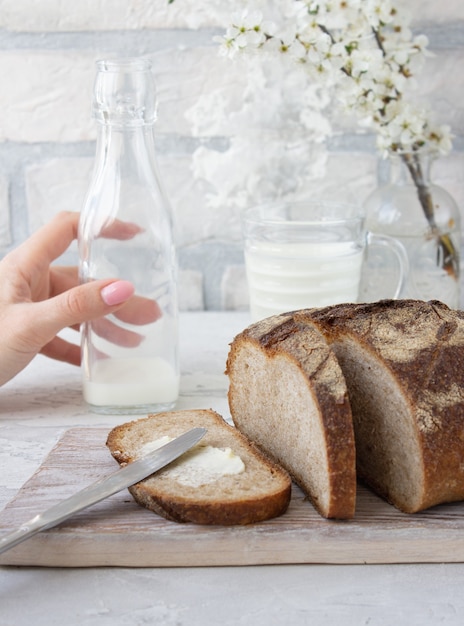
(84, 302)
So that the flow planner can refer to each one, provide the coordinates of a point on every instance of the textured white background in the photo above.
(47, 55)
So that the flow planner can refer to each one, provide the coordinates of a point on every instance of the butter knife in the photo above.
(103, 488)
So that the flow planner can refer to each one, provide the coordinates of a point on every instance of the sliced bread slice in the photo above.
(287, 393)
(404, 366)
(224, 480)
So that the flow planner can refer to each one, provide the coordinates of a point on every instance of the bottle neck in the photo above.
(131, 147)
(124, 92)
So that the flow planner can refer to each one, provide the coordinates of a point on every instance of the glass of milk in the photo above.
(303, 254)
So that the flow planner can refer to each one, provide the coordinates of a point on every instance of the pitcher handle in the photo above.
(399, 250)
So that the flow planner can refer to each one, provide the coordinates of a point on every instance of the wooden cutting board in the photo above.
(118, 532)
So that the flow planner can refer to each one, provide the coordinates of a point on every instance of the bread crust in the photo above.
(261, 492)
(300, 346)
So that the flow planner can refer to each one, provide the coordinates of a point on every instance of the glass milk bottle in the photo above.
(129, 358)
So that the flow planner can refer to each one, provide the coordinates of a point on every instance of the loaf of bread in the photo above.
(403, 363)
(223, 480)
(287, 393)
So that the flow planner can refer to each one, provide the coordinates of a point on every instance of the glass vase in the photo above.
(425, 219)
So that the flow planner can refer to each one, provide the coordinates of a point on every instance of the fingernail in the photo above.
(117, 292)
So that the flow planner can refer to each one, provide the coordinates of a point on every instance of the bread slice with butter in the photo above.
(223, 480)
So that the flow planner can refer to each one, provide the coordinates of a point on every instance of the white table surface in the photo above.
(45, 400)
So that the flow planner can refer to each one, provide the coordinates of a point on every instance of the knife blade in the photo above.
(103, 488)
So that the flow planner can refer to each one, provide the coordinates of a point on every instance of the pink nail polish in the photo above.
(117, 292)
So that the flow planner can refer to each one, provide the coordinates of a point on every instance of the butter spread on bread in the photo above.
(200, 465)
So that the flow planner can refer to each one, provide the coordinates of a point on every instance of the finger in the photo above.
(62, 350)
(62, 279)
(120, 230)
(77, 305)
(53, 239)
(139, 311)
(116, 335)
(49, 242)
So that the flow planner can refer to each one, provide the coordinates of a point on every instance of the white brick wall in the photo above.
(85, 15)
(47, 55)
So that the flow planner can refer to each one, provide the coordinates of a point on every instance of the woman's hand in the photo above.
(38, 300)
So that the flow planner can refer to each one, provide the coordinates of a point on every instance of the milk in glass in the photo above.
(287, 276)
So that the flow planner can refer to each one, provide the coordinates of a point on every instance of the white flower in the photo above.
(399, 27)
(420, 43)
(377, 12)
(247, 30)
(362, 61)
(297, 50)
(404, 127)
(441, 138)
(363, 48)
